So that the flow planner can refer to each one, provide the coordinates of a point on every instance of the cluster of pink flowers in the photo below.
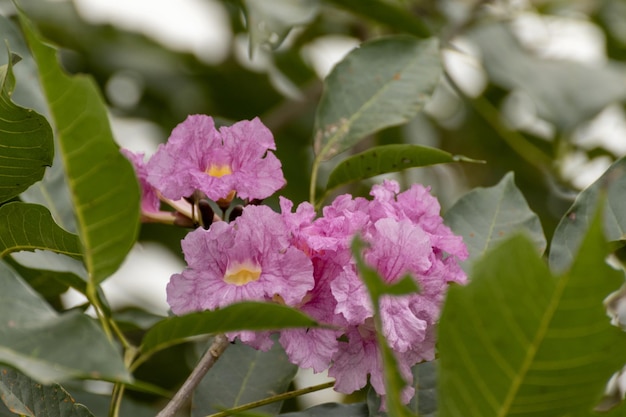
(304, 261)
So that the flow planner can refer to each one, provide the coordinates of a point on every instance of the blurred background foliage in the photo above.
(525, 109)
(534, 87)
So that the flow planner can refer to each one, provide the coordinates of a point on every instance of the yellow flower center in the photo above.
(242, 273)
(218, 170)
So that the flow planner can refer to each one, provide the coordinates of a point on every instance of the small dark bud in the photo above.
(255, 202)
(235, 212)
(206, 213)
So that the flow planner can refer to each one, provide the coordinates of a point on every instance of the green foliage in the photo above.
(27, 147)
(48, 346)
(573, 226)
(25, 397)
(29, 227)
(552, 348)
(384, 159)
(248, 315)
(243, 375)
(102, 182)
(487, 216)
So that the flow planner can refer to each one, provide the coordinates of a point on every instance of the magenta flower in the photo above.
(249, 259)
(199, 157)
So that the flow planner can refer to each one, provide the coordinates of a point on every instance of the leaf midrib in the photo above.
(533, 348)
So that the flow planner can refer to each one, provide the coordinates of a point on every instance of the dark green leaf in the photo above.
(487, 216)
(530, 343)
(573, 226)
(240, 316)
(47, 346)
(40, 264)
(384, 159)
(383, 83)
(26, 397)
(30, 226)
(332, 410)
(26, 148)
(243, 375)
(102, 182)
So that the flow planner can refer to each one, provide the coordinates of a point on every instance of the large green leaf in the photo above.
(384, 159)
(102, 183)
(486, 216)
(47, 346)
(573, 226)
(26, 397)
(383, 83)
(519, 341)
(242, 375)
(240, 316)
(26, 145)
(29, 226)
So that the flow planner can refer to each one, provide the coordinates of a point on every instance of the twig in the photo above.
(273, 399)
(218, 347)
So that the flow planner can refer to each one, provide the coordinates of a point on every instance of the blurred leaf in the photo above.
(386, 13)
(389, 158)
(44, 282)
(573, 226)
(27, 147)
(270, 22)
(531, 344)
(565, 93)
(29, 226)
(240, 316)
(487, 216)
(376, 287)
(26, 397)
(243, 375)
(102, 182)
(332, 410)
(47, 346)
(383, 83)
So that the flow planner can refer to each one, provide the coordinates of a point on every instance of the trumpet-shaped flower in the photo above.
(249, 259)
(199, 157)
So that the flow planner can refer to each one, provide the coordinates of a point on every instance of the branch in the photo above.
(219, 345)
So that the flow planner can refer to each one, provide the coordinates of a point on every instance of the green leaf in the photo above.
(103, 186)
(30, 226)
(240, 316)
(573, 226)
(332, 410)
(528, 342)
(383, 83)
(386, 13)
(388, 158)
(47, 346)
(376, 287)
(243, 375)
(26, 397)
(26, 148)
(487, 216)
(270, 22)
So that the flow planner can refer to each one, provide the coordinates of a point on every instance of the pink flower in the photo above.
(150, 202)
(199, 157)
(249, 259)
